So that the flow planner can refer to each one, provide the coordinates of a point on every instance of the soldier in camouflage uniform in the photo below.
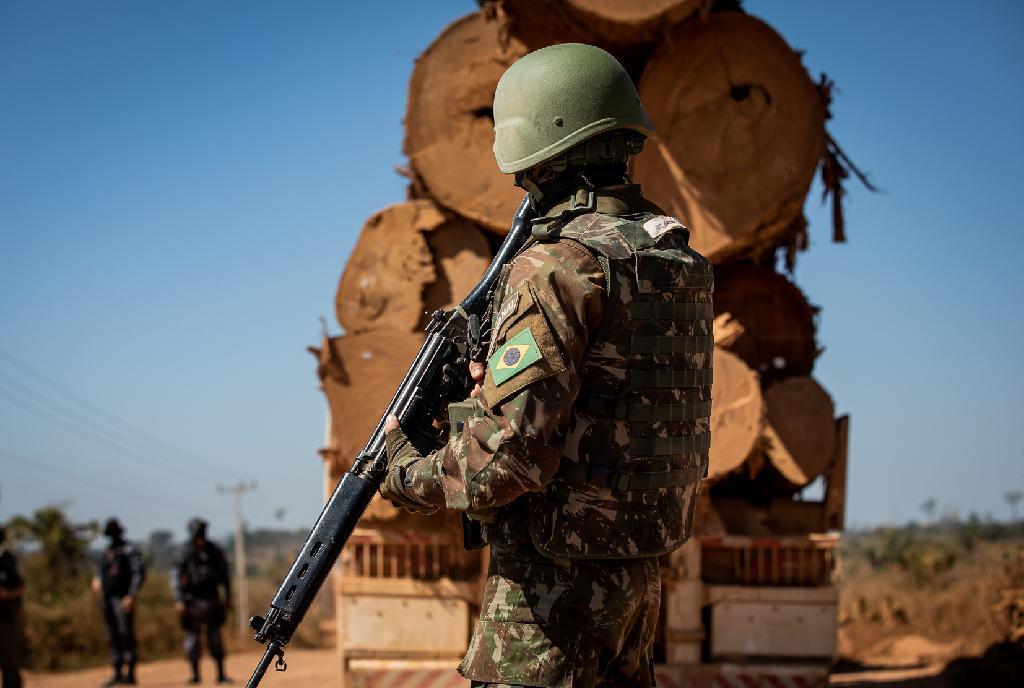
(582, 449)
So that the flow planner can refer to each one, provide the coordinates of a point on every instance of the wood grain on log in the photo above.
(737, 413)
(627, 30)
(461, 256)
(409, 258)
(774, 320)
(360, 373)
(801, 429)
(740, 132)
(449, 124)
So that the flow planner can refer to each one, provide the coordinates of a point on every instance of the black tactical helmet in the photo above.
(113, 528)
(197, 528)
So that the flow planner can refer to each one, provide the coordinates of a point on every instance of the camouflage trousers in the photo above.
(561, 623)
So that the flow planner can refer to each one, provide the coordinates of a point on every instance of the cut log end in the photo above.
(801, 434)
(359, 373)
(619, 27)
(449, 122)
(737, 413)
(740, 132)
(766, 321)
(409, 259)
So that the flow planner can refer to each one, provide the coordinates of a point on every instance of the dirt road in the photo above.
(319, 669)
(306, 669)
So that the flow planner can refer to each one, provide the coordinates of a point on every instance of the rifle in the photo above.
(438, 375)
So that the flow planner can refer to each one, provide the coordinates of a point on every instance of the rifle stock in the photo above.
(437, 376)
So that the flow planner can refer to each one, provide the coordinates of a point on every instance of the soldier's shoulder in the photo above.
(594, 227)
(546, 264)
(618, 236)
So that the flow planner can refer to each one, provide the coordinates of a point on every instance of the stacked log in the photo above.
(410, 259)
(741, 130)
(449, 126)
(737, 414)
(800, 429)
(740, 133)
(774, 322)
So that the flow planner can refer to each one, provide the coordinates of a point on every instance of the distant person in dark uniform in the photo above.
(11, 588)
(202, 594)
(121, 572)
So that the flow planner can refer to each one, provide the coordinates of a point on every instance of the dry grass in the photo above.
(939, 588)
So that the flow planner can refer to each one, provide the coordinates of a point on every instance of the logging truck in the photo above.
(750, 601)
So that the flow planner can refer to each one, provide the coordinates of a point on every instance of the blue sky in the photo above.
(182, 182)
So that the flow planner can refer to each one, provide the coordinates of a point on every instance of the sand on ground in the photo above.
(306, 669)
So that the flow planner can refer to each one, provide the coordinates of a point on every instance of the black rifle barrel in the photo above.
(356, 488)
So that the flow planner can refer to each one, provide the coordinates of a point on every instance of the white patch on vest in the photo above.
(506, 311)
(657, 226)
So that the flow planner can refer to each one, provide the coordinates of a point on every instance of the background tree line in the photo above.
(63, 627)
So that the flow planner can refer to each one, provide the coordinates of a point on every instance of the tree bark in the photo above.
(740, 132)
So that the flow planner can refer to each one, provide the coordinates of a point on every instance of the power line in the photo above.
(86, 433)
(78, 417)
(121, 425)
(106, 488)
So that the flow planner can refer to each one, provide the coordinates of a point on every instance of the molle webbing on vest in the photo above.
(643, 417)
(694, 282)
(669, 446)
(671, 310)
(671, 344)
(623, 409)
(625, 481)
(667, 378)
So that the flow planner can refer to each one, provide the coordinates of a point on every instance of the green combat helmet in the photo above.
(554, 98)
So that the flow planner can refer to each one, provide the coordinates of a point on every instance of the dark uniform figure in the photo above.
(200, 579)
(120, 575)
(11, 588)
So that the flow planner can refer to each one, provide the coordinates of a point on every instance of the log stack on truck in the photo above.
(751, 600)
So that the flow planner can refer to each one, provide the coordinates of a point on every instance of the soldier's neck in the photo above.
(548, 189)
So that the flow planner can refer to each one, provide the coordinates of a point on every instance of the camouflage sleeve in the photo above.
(507, 441)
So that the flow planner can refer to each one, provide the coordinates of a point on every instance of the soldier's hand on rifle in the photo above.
(476, 371)
(127, 603)
(402, 454)
(96, 585)
(179, 607)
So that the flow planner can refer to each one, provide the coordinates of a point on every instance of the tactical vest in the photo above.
(637, 446)
(116, 569)
(201, 572)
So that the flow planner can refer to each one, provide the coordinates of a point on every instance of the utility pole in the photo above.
(241, 580)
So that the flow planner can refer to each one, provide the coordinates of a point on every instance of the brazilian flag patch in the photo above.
(514, 356)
